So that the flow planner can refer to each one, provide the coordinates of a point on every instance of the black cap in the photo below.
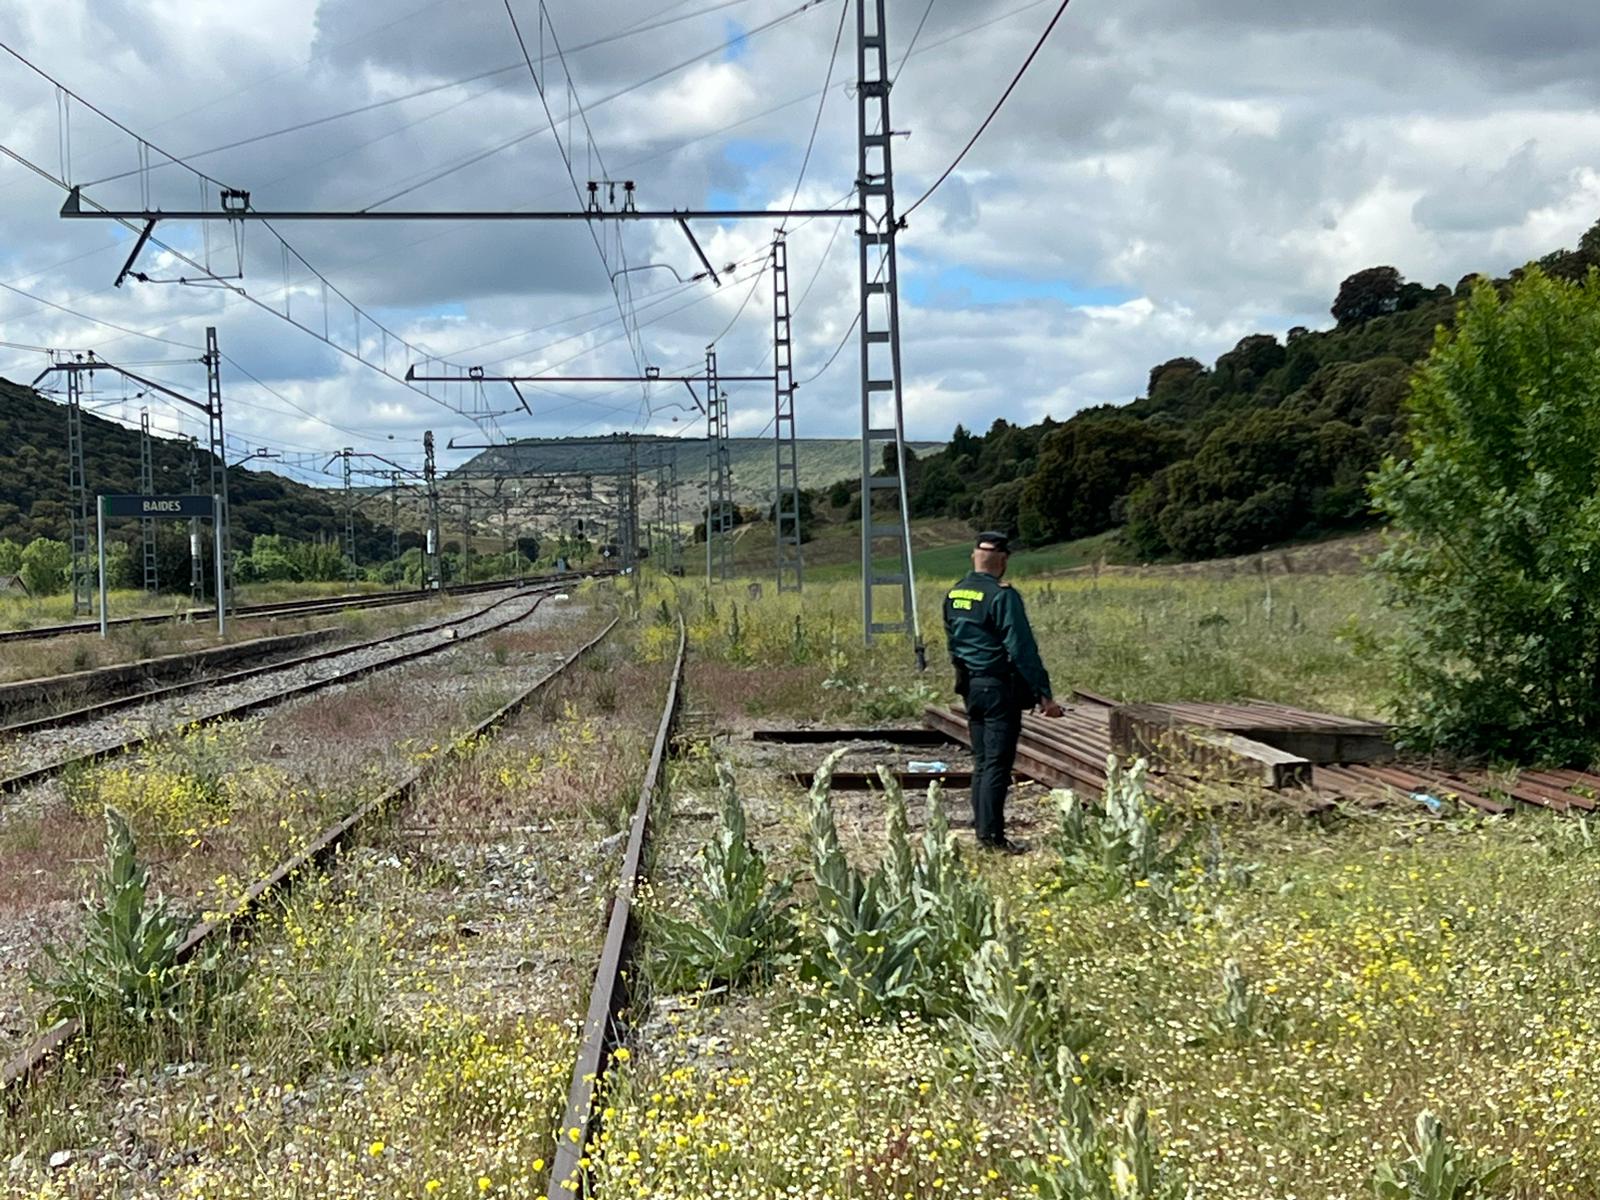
(992, 540)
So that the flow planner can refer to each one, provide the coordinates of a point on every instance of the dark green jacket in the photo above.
(988, 633)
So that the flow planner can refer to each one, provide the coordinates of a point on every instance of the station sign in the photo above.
(148, 507)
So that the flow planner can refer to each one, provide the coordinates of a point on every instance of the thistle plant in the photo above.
(741, 928)
(1435, 1169)
(1243, 1014)
(126, 970)
(867, 942)
(1122, 847)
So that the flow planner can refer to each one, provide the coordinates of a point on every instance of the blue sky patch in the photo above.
(955, 287)
(732, 29)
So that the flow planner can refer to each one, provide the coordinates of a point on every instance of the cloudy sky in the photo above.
(1169, 177)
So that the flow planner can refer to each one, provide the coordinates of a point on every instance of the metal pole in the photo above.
(78, 494)
(147, 486)
(786, 477)
(219, 459)
(876, 229)
(711, 461)
(100, 539)
(432, 576)
(218, 532)
(350, 571)
(196, 584)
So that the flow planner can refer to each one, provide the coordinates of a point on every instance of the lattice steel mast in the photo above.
(719, 477)
(147, 487)
(219, 461)
(78, 499)
(430, 558)
(786, 480)
(880, 340)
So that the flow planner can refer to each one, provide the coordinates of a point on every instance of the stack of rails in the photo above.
(1316, 758)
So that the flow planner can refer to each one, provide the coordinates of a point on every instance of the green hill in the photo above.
(33, 485)
(822, 461)
(1272, 442)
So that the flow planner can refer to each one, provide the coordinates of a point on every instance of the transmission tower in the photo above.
(880, 340)
(219, 461)
(196, 578)
(786, 482)
(78, 499)
(432, 577)
(147, 486)
(719, 478)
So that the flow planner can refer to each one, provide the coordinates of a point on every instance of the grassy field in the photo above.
(1197, 1003)
(1296, 639)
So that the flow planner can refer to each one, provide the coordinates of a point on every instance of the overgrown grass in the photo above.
(1297, 639)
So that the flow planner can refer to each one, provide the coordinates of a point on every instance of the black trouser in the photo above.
(994, 719)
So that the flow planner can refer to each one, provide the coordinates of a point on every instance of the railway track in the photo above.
(573, 1138)
(36, 1058)
(315, 606)
(44, 770)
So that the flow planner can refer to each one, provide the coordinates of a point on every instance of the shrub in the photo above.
(44, 566)
(1496, 529)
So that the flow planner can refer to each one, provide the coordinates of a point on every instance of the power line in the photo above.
(566, 159)
(993, 112)
(911, 45)
(390, 101)
(477, 157)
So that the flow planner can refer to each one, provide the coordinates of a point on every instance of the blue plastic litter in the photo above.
(1435, 805)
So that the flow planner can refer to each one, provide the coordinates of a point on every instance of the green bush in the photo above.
(1495, 551)
(44, 565)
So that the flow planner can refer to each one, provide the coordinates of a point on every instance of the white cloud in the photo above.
(1220, 166)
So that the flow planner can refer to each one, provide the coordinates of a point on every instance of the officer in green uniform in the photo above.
(998, 674)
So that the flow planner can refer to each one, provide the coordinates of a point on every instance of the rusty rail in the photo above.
(37, 1057)
(605, 1001)
(311, 606)
(34, 775)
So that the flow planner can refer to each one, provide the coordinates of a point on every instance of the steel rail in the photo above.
(119, 678)
(606, 1000)
(102, 707)
(310, 606)
(15, 783)
(36, 1058)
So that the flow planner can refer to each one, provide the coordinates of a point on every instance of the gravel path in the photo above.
(52, 745)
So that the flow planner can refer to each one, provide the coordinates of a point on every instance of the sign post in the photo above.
(186, 508)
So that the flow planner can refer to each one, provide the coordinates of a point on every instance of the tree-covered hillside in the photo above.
(33, 486)
(1275, 440)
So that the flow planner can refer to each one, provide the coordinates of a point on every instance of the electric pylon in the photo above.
(883, 438)
(786, 481)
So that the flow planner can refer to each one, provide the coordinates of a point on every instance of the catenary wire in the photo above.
(993, 112)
